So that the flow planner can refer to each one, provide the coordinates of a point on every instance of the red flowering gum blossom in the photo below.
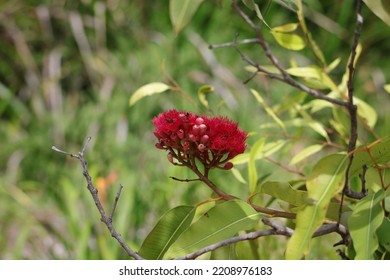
(213, 141)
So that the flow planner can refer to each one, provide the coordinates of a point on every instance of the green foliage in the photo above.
(217, 224)
(70, 71)
(168, 229)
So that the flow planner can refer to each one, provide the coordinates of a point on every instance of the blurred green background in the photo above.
(67, 71)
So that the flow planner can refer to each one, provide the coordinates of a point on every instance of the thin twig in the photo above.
(283, 76)
(115, 202)
(184, 180)
(352, 108)
(276, 229)
(94, 192)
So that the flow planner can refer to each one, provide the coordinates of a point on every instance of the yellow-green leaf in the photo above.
(366, 218)
(286, 28)
(219, 223)
(284, 191)
(387, 88)
(289, 41)
(171, 225)
(268, 109)
(308, 151)
(147, 90)
(202, 94)
(252, 172)
(381, 8)
(267, 150)
(181, 12)
(325, 180)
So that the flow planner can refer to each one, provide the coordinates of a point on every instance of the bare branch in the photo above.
(283, 76)
(94, 192)
(352, 108)
(115, 202)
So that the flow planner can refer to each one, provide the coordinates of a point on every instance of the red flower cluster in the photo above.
(212, 140)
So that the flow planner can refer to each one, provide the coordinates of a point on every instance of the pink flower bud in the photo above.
(202, 129)
(195, 129)
(192, 137)
(205, 138)
(186, 146)
(201, 148)
(170, 157)
(199, 121)
(181, 134)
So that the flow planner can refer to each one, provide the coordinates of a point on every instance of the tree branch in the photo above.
(276, 229)
(352, 108)
(107, 220)
(283, 76)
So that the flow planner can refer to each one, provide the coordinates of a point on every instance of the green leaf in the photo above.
(289, 41)
(181, 12)
(268, 110)
(286, 28)
(147, 90)
(366, 112)
(221, 222)
(315, 73)
(254, 7)
(284, 191)
(166, 232)
(202, 94)
(379, 150)
(325, 180)
(383, 233)
(252, 172)
(366, 218)
(381, 8)
(237, 175)
(308, 151)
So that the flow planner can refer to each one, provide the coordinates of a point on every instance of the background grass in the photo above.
(67, 71)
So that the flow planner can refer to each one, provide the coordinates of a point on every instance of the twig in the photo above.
(184, 180)
(94, 192)
(115, 202)
(352, 108)
(276, 229)
(283, 76)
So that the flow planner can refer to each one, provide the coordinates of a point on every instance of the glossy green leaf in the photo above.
(181, 12)
(268, 149)
(284, 192)
(252, 172)
(268, 109)
(333, 65)
(305, 153)
(379, 150)
(202, 94)
(381, 8)
(166, 232)
(147, 90)
(221, 222)
(325, 180)
(383, 233)
(289, 41)
(366, 218)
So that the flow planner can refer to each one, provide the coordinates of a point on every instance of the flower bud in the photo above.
(202, 129)
(205, 138)
(228, 166)
(199, 121)
(170, 158)
(201, 148)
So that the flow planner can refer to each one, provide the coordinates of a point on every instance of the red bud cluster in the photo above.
(212, 140)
